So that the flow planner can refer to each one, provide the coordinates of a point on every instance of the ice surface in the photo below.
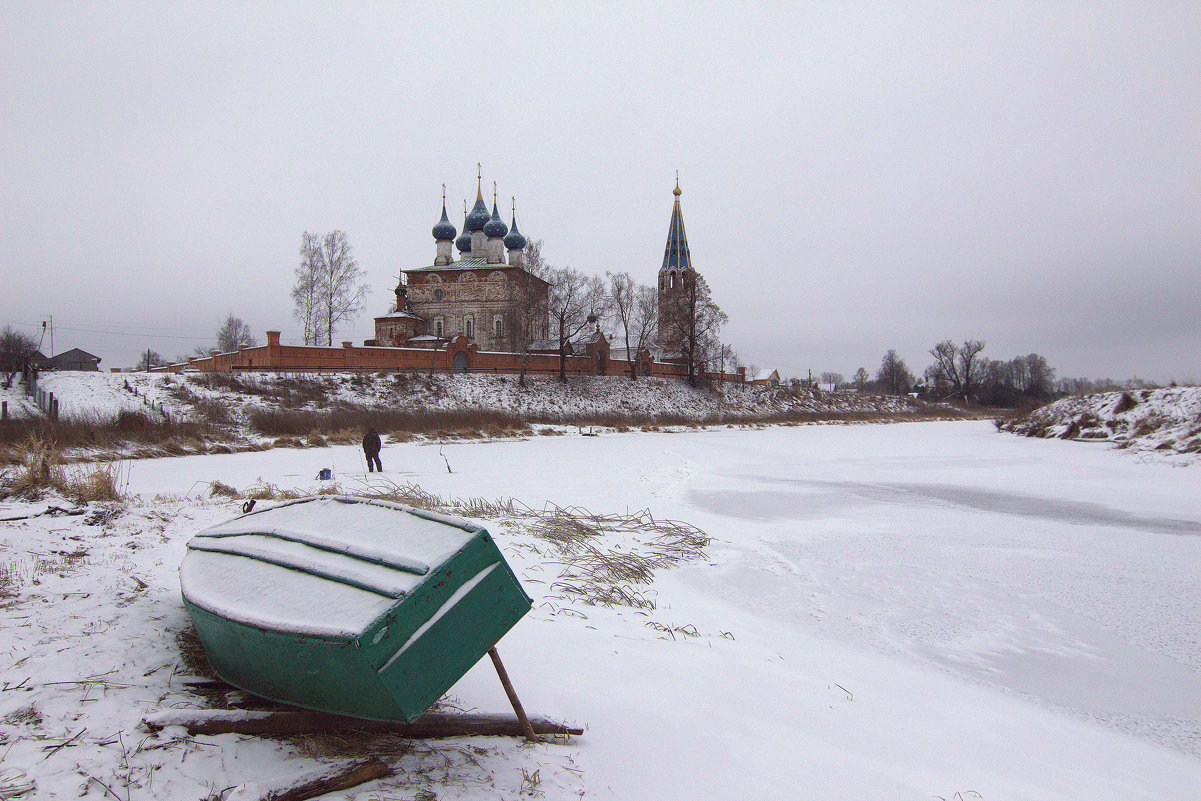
(1012, 616)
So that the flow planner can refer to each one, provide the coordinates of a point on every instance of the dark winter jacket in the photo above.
(371, 443)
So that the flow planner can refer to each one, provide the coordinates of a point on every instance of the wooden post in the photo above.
(517, 708)
(4, 411)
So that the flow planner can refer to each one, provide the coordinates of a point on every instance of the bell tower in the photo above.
(676, 278)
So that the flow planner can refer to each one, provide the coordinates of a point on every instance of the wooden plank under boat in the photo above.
(347, 605)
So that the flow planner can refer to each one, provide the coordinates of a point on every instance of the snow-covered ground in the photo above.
(1140, 419)
(886, 612)
(545, 397)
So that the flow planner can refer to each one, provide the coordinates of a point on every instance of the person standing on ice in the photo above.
(371, 446)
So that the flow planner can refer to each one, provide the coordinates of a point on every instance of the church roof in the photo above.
(675, 256)
(469, 263)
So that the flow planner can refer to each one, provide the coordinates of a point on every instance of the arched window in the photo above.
(469, 326)
(438, 327)
(498, 323)
(672, 284)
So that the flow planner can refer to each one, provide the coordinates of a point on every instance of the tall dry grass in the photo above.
(41, 468)
(106, 432)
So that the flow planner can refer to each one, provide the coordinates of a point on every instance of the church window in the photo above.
(498, 324)
(438, 327)
(469, 326)
(467, 276)
(434, 278)
(673, 281)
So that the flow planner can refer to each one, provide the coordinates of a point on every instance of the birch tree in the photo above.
(635, 315)
(329, 287)
(306, 293)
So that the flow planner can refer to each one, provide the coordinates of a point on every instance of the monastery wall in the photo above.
(459, 355)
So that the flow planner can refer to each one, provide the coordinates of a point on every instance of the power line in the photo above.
(149, 331)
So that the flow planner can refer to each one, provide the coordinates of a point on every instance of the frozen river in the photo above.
(1059, 580)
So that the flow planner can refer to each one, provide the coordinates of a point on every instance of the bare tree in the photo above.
(232, 333)
(860, 379)
(329, 285)
(573, 298)
(894, 375)
(633, 308)
(691, 319)
(528, 301)
(833, 379)
(959, 364)
(306, 293)
(1040, 376)
(16, 353)
(150, 358)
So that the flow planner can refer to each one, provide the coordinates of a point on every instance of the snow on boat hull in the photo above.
(343, 605)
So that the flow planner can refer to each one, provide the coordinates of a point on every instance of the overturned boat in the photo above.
(348, 605)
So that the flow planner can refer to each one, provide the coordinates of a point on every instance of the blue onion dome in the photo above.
(444, 230)
(479, 215)
(495, 227)
(515, 240)
(463, 243)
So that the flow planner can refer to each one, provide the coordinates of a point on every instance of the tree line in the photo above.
(961, 371)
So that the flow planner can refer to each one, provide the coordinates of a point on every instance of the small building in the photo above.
(73, 359)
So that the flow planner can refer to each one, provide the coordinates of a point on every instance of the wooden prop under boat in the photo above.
(348, 605)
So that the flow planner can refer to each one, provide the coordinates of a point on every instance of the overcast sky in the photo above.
(856, 177)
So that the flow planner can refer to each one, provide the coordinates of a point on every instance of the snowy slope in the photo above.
(1141, 420)
(226, 403)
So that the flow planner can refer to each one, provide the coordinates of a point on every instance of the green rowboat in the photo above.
(347, 605)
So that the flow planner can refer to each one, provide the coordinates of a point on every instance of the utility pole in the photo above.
(49, 317)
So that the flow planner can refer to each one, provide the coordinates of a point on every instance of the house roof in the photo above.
(73, 355)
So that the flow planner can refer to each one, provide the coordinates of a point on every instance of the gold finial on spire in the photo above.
(443, 194)
(514, 199)
(479, 177)
(677, 191)
(494, 193)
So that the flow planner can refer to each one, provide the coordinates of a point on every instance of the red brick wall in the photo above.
(275, 357)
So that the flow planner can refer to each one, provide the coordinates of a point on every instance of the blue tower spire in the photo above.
(676, 256)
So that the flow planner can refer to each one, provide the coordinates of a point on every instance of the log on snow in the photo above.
(430, 726)
(341, 778)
